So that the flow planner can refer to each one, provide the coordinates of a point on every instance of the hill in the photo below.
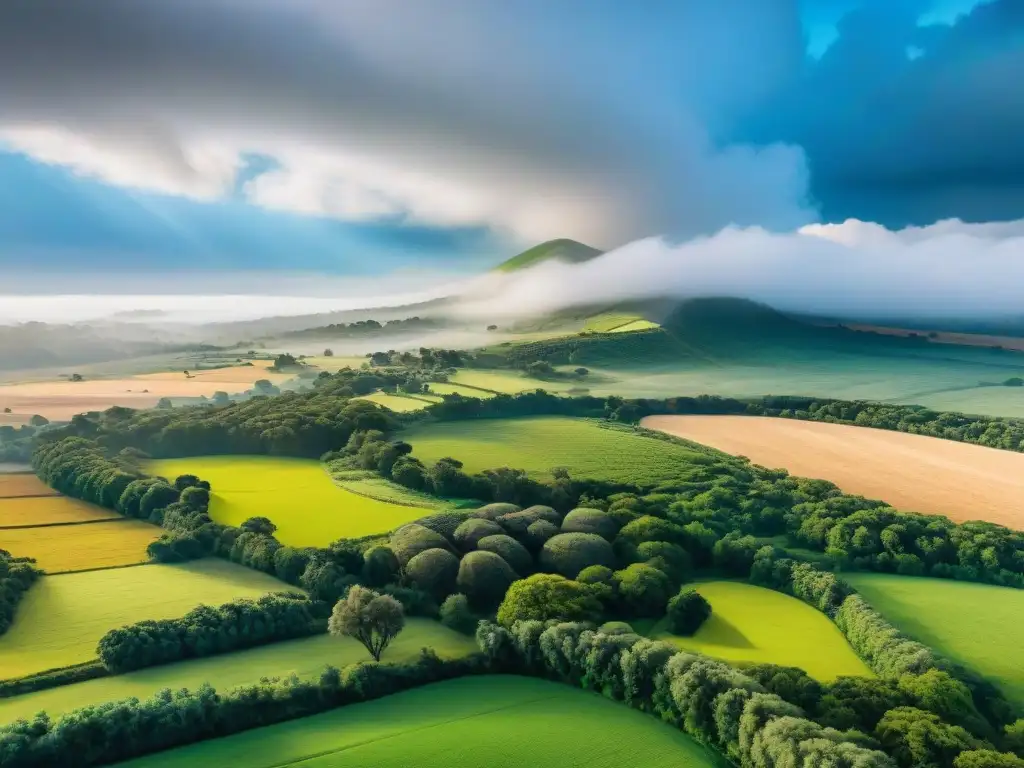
(561, 249)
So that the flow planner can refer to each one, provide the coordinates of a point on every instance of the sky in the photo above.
(156, 147)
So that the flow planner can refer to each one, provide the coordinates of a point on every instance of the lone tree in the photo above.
(687, 611)
(370, 617)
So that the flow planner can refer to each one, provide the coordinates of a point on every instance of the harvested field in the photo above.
(68, 548)
(62, 618)
(754, 625)
(60, 399)
(488, 720)
(305, 657)
(296, 494)
(12, 486)
(50, 510)
(914, 473)
(977, 625)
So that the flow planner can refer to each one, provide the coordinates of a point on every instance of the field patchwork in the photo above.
(23, 484)
(978, 625)
(754, 625)
(914, 473)
(50, 510)
(296, 494)
(503, 721)
(62, 618)
(66, 548)
(305, 657)
(540, 444)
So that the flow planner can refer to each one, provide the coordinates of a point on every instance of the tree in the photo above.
(643, 590)
(581, 372)
(328, 352)
(687, 611)
(987, 758)
(77, 377)
(38, 421)
(1015, 736)
(457, 615)
(545, 596)
(370, 617)
(492, 327)
(919, 739)
(259, 525)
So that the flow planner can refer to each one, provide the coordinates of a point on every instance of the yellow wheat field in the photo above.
(49, 510)
(65, 548)
(23, 485)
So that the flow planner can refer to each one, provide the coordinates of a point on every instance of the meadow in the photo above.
(22, 484)
(914, 473)
(440, 388)
(62, 618)
(68, 548)
(754, 625)
(503, 382)
(305, 658)
(540, 444)
(978, 625)
(298, 495)
(50, 510)
(504, 722)
(401, 403)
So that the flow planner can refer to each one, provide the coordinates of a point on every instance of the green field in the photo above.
(62, 618)
(506, 382)
(539, 444)
(504, 722)
(755, 625)
(400, 403)
(978, 625)
(440, 388)
(306, 658)
(297, 494)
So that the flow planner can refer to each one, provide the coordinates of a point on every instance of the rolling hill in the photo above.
(562, 249)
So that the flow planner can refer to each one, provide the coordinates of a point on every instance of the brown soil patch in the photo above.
(914, 473)
(24, 485)
(62, 399)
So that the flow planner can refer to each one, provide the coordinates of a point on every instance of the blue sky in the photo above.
(316, 136)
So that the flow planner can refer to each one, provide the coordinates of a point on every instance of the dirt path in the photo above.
(912, 472)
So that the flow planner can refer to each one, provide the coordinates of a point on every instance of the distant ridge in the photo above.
(562, 249)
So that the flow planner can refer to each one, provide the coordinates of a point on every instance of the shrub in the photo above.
(510, 550)
(444, 523)
(484, 578)
(409, 540)
(434, 571)
(469, 533)
(616, 628)
(584, 520)
(494, 511)
(649, 528)
(643, 590)
(596, 574)
(517, 523)
(687, 611)
(457, 615)
(570, 553)
(538, 533)
(547, 597)
(670, 558)
(380, 566)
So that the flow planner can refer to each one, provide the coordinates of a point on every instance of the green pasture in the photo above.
(440, 388)
(505, 722)
(62, 617)
(540, 444)
(978, 625)
(754, 625)
(306, 658)
(401, 403)
(504, 382)
(296, 494)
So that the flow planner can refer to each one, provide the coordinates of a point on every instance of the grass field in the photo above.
(440, 388)
(297, 494)
(61, 618)
(12, 486)
(978, 625)
(914, 473)
(755, 625)
(400, 403)
(64, 548)
(48, 510)
(305, 657)
(505, 722)
(540, 444)
(635, 325)
(507, 382)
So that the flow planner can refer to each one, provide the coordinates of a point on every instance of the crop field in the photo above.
(914, 473)
(67, 548)
(62, 618)
(305, 657)
(400, 403)
(12, 486)
(498, 721)
(50, 510)
(542, 443)
(978, 625)
(754, 625)
(296, 494)
(506, 382)
(60, 399)
(440, 388)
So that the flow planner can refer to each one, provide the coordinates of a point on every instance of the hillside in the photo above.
(561, 249)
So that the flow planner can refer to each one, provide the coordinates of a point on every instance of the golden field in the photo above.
(49, 510)
(12, 486)
(67, 548)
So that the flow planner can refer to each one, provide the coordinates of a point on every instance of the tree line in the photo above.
(17, 574)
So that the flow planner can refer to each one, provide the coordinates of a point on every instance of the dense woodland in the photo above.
(17, 574)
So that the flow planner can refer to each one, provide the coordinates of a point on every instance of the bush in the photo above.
(484, 577)
(457, 615)
(469, 533)
(670, 558)
(584, 520)
(494, 511)
(643, 590)
(547, 597)
(510, 550)
(596, 574)
(434, 571)
(538, 533)
(687, 611)
(616, 628)
(409, 540)
(380, 566)
(570, 553)
(517, 523)
(648, 528)
(444, 523)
